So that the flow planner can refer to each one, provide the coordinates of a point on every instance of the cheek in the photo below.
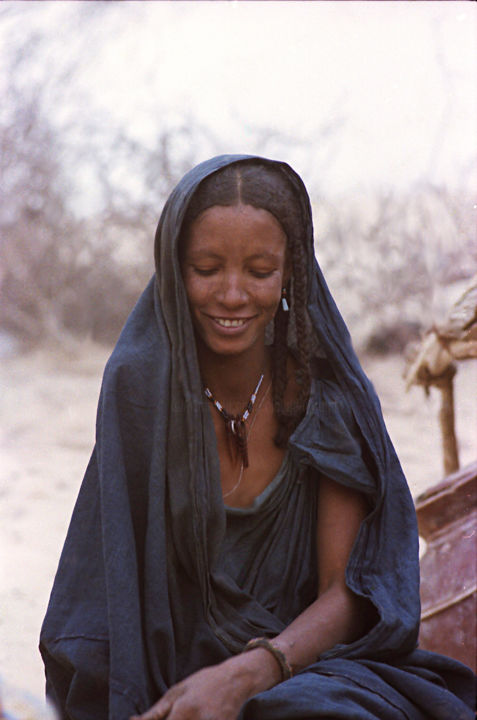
(270, 295)
(196, 290)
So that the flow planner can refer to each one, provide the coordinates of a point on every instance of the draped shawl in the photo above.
(138, 602)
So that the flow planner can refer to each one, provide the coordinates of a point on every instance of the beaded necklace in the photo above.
(235, 424)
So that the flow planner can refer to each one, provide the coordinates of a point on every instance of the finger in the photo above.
(156, 712)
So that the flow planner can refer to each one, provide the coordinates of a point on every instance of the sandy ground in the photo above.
(47, 415)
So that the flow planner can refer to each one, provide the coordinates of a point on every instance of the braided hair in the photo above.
(251, 182)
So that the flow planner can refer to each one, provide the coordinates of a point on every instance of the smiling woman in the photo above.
(244, 544)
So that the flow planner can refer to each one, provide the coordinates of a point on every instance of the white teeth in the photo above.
(230, 323)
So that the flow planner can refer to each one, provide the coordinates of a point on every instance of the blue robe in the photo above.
(141, 598)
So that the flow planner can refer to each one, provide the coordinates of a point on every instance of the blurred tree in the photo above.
(33, 220)
(391, 257)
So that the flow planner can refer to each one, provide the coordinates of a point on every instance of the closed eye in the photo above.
(262, 273)
(204, 272)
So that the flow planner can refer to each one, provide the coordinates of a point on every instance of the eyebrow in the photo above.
(266, 255)
(204, 253)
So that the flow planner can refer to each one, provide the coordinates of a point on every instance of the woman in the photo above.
(243, 493)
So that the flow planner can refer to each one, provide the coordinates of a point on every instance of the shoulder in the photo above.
(328, 404)
(329, 437)
(327, 395)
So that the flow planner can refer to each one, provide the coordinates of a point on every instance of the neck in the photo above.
(233, 378)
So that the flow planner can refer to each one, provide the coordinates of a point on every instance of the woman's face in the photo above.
(234, 266)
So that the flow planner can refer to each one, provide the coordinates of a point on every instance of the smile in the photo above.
(225, 322)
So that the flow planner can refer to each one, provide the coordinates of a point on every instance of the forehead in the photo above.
(237, 224)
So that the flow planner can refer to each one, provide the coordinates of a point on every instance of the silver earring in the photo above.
(285, 307)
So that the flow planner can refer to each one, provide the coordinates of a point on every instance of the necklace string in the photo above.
(235, 424)
(234, 488)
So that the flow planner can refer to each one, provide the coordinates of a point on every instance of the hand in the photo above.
(208, 694)
(217, 692)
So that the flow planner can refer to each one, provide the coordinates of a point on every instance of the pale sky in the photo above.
(393, 82)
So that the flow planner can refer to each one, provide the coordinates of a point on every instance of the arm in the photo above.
(336, 616)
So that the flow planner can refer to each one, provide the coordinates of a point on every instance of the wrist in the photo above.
(258, 670)
(286, 669)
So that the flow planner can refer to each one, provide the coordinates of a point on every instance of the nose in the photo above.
(232, 293)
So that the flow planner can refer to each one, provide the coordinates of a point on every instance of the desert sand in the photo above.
(47, 417)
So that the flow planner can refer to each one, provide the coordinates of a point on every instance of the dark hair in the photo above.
(251, 182)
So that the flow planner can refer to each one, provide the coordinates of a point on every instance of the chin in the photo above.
(231, 347)
(227, 350)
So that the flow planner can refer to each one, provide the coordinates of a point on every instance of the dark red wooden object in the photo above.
(447, 519)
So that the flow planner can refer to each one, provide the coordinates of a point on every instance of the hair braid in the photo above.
(280, 374)
(300, 298)
(289, 417)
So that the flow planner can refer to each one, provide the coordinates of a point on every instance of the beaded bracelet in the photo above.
(265, 643)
